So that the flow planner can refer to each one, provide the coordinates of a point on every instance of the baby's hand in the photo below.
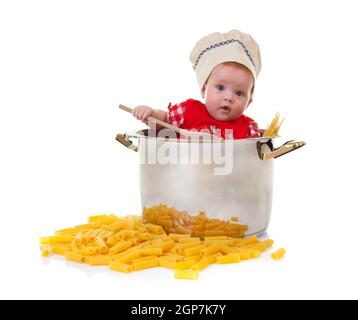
(142, 113)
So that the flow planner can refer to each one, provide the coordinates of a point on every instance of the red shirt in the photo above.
(193, 115)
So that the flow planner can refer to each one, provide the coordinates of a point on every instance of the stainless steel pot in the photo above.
(224, 179)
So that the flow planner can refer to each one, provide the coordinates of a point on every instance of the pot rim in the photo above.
(140, 134)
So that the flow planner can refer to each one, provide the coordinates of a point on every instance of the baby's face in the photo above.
(227, 92)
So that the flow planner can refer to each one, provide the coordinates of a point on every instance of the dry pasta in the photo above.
(120, 246)
(76, 257)
(128, 244)
(194, 250)
(61, 250)
(162, 262)
(45, 250)
(183, 265)
(273, 127)
(278, 254)
(229, 258)
(186, 274)
(145, 264)
(151, 251)
(211, 249)
(201, 264)
(101, 260)
(119, 266)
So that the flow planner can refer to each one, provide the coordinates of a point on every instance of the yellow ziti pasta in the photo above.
(45, 250)
(129, 244)
(186, 274)
(278, 254)
(119, 266)
(229, 258)
(101, 260)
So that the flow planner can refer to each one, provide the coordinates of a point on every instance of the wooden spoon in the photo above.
(186, 133)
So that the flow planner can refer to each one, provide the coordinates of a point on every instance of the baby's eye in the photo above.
(220, 87)
(239, 93)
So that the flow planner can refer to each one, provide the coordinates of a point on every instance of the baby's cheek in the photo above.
(210, 106)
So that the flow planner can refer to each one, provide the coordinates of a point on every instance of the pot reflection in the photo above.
(221, 178)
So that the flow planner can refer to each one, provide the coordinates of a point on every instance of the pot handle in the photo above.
(123, 139)
(280, 151)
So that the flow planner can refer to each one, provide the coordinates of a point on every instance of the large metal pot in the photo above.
(229, 178)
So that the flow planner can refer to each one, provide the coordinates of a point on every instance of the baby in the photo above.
(226, 66)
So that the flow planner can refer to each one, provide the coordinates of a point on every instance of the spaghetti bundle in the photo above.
(273, 127)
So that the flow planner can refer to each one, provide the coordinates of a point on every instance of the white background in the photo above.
(66, 65)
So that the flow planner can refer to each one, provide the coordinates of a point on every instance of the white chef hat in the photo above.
(216, 48)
